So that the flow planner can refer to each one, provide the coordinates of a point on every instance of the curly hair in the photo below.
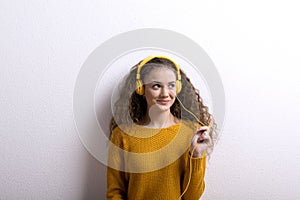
(131, 108)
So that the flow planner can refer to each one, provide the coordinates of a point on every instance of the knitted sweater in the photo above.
(153, 164)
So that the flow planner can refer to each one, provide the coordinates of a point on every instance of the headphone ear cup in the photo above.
(139, 87)
(178, 86)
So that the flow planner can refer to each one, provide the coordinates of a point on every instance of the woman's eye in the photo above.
(171, 85)
(156, 86)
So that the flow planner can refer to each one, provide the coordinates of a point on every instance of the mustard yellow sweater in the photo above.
(153, 164)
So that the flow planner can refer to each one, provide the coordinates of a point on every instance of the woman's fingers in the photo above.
(195, 139)
(203, 128)
(200, 137)
(203, 137)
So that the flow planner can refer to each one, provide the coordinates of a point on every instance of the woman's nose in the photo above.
(164, 91)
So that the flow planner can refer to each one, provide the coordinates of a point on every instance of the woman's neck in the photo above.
(159, 119)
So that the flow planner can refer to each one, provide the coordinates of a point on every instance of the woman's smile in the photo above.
(163, 101)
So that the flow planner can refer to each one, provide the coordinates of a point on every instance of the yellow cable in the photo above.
(198, 120)
(190, 174)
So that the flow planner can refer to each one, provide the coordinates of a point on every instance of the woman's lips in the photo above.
(163, 102)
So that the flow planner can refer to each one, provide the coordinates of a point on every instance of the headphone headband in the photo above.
(146, 60)
(139, 86)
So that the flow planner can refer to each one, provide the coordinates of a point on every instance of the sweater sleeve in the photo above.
(116, 179)
(197, 185)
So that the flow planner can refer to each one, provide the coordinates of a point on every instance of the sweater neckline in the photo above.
(148, 132)
(162, 128)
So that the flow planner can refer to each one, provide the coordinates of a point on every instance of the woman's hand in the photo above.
(201, 141)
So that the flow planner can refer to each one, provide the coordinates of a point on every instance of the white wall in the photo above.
(254, 45)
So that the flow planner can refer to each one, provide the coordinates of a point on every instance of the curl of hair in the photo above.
(130, 107)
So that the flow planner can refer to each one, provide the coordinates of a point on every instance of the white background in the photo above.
(254, 45)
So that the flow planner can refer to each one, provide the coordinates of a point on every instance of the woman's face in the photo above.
(160, 88)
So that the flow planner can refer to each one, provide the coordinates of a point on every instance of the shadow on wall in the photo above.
(95, 178)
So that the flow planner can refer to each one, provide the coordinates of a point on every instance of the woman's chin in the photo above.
(163, 107)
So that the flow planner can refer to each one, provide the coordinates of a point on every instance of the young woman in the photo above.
(161, 133)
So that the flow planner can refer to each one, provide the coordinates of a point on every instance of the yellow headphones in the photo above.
(139, 83)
